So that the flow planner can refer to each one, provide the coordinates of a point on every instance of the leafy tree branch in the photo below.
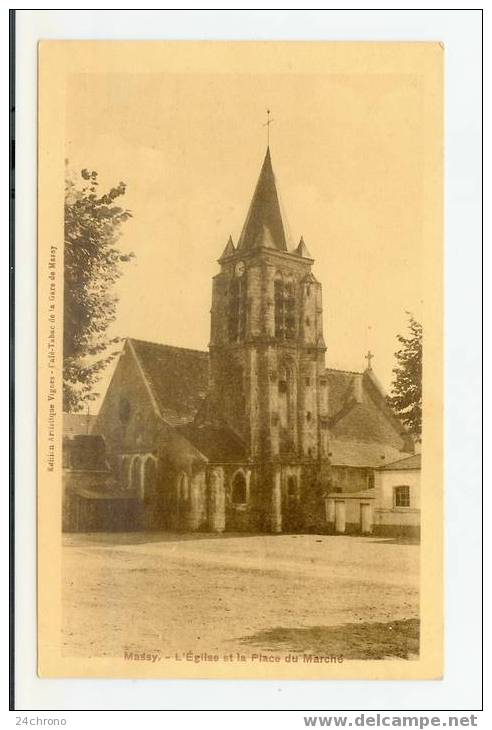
(93, 264)
(406, 388)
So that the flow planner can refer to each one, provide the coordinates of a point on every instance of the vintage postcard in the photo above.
(240, 360)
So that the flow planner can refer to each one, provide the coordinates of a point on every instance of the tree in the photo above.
(93, 264)
(406, 389)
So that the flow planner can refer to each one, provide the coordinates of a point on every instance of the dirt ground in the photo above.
(164, 592)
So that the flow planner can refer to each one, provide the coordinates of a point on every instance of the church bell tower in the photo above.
(267, 353)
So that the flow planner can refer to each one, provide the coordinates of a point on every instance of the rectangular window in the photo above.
(401, 496)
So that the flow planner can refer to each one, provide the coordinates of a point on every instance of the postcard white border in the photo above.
(461, 33)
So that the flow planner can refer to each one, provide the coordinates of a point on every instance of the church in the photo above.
(254, 434)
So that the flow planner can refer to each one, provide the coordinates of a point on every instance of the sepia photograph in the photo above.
(240, 373)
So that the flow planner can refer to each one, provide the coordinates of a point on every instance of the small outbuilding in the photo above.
(351, 512)
(391, 508)
(397, 510)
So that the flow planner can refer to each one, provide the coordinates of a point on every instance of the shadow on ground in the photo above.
(399, 541)
(395, 639)
(394, 540)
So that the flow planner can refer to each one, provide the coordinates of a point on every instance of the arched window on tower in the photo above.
(285, 308)
(237, 309)
(286, 402)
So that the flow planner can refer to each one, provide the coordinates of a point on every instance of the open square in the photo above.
(172, 593)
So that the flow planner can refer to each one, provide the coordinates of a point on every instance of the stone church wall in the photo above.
(127, 418)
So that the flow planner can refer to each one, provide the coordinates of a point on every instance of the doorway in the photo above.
(340, 515)
(365, 519)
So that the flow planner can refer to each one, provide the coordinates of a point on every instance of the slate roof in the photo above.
(358, 409)
(363, 431)
(366, 454)
(264, 225)
(340, 389)
(217, 443)
(365, 422)
(410, 462)
(177, 377)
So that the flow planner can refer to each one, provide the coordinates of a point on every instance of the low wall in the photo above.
(397, 531)
(72, 481)
(88, 506)
(400, 517)
(400, 522)
(344, 516)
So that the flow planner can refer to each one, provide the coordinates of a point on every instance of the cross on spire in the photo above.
(369, 357)
(267, 125)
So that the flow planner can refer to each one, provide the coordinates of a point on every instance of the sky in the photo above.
(347, 151)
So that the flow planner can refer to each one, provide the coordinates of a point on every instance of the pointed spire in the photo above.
(229, 249)
(302, 249)
(264, 225)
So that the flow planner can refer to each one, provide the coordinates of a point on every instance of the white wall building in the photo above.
(397, 507)
(391, 508)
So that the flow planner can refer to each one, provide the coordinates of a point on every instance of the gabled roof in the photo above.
(362, 454)
(176, 377)
(410, 462)
(264, 225)
(363, 429)
(340, 389)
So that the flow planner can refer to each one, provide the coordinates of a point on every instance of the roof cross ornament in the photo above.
(267, 125)
(369, 357)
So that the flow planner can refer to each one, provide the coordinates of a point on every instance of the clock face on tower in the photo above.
(240, 268)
